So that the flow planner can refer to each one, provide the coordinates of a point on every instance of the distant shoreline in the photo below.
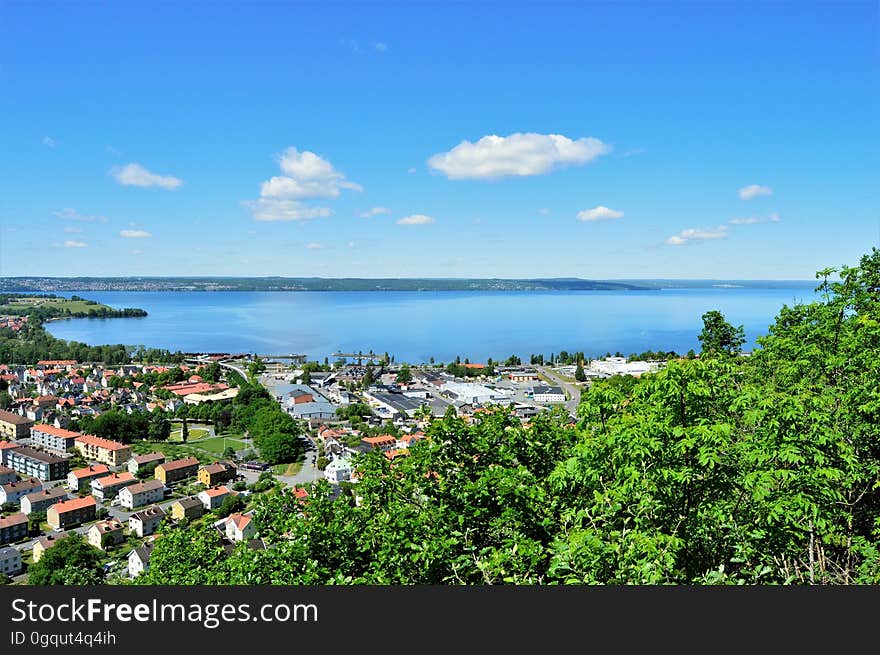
(179, 284)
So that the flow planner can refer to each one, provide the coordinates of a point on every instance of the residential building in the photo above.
(38, 463)
(384, 442)
(106, 488)
(240, 527)
(7, 447)
(143, 493)
(40, 501)
(178, 469)
(146, 522)
(46, 542)
(10, 561)
(337, 470)
(72, 512)
(523, 376)
(141, 463)
(14, 491)
(217, 473)
(214, 497)
(187, 508)
(82, 478)
(407, 440)
(14, 426)
(13, 528)
(139, 559)
(545, 394)
(101, 450)
(104, 534)
(52, 438)
(7, 475)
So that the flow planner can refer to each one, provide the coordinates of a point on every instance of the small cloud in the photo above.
(478, 220)
(544, 211)
(411, 170)
(48, 141)
(351, 44)
(415, 219)
(272, 210)
(351, 244)
(632, 152)
(752, 220)
(693, 234)
(380, 46)
(517, 155)
(136, 175)
(315, 246)
(375, 211)
(75, 244)
(137, 252)
(753, 191)
(599, 213)
(69, 214)
(113, 151)
(72, 229)
(135, 234)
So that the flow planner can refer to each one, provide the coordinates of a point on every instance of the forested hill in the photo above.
(307, 284)
(723, 469)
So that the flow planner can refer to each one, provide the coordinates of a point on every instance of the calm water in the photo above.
(414, 326)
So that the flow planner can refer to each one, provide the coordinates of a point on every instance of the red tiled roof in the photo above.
(106, 444)
(114, 479)
(216, 491)
(89, 471)
(15, 419)
(74, 504)
(56, 432)
(381, 439)
(13, 519)
(239, 520)
(179, 464)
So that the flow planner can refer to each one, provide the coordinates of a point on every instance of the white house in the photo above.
(146, 522)
(139, 559)
(240, 527)
(338, 469)
(214, 497)
(10, 561)
(143, 493)
(544, 394)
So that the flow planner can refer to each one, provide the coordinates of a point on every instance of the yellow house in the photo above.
(101, 450)
(45, 543)
(217, 473)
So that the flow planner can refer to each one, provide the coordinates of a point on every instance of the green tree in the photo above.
(719, 336)
(71, 561)
(404, 375)
(159, 428)
(184, 431)
(579, 374)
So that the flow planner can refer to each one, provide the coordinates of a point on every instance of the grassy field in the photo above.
(287, 469)
(75, 306)
(194, 435)
(216, 444)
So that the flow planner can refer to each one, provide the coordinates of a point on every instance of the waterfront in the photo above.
(414, 326)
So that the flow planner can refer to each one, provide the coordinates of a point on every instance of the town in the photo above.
(119, 454)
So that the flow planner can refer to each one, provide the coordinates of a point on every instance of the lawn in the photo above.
(194, 435)
(287, 469)
(75, 306)
(217, 445)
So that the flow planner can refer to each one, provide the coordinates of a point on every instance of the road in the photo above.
(573, 391)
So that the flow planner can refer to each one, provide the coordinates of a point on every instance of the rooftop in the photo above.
(15, 419)
(98, 442)
(74, 504)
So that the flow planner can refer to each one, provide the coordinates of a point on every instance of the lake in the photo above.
(414, 326)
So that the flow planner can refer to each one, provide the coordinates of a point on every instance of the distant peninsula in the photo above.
(53, 284)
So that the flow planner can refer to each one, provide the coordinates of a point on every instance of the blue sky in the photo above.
(594, 140)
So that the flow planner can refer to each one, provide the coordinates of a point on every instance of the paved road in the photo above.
(573, 390)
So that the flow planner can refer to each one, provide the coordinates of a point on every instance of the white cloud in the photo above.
(518, 155)
(380, 47)
(375, 211)
(135, 234)
(351, 244)
(137, 252)
(270, 209)
(415, 219)
(305, 175)
(72, 229)
(69, 214)
(753, 191)
(599, 213)
(75, 244)
(752, 220)
(315, 246)
(136, 175)
(693, 234)
(48, 141)
(411, 170)
(544, 211)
